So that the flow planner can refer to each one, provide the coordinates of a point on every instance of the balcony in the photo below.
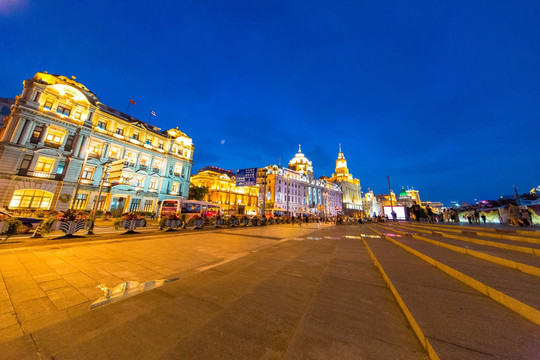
(52, 144)
(40, 174)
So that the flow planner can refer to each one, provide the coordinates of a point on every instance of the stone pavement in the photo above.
(239, 296)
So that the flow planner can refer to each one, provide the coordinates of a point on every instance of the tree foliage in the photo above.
(197, 192)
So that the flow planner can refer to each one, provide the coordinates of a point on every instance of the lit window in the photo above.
(102, 125)
(78, 114)
(139, 181)
(157, 165)
(48, 104)
(63, 109)
(87, 173)
(120, 131)
(30, 198)
(44, 165)
(153, 184)
(54, 136)
(174, 187)
(114, 153)
(95, 148)
(144, 161)
(177, 169)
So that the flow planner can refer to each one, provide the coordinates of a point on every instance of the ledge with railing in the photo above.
(40, 174)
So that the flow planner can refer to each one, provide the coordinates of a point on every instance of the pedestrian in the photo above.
(483, 216)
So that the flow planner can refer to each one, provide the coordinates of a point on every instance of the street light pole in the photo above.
(94, 210)
(264, 192)
(390, 193)
(287, 195)
(78, 182)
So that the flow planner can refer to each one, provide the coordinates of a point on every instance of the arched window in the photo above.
(31, 199)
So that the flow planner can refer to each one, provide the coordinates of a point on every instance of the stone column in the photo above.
(84, 147)
(19, 127)
(106, 151)
(43, 134)
(26, 132)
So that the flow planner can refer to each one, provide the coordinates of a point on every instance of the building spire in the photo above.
(299, 148)
(339, 147)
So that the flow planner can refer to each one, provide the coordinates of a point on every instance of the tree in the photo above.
(197, 192)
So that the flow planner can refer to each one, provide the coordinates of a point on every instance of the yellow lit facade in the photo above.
(352, 191)
(222, 190)
(59, 134)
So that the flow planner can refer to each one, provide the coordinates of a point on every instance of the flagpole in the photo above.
(129, 103)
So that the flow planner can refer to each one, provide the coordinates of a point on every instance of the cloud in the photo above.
(8, 7)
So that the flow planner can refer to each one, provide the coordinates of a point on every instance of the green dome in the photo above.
(403, 192)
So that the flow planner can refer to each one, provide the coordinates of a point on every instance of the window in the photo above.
(144, 161)
(130, 158)
(78, 114)
(54, 136)
(177, 169)
(94, 149)
(120, 131)
(69, 142)
(48, 104)
(135, 205)
(102, 125)
(38, 129)
(37, 96)
(139, 181)
(153, 184)
(60, 169)
(44, 165)
(156, 165)
(160, 145)
(114, 153)
(63, 109)
(87, 174)
(80, 201)
(27, 159)
(31, 199)
(174, 187)
(135, 135)
(148, 205)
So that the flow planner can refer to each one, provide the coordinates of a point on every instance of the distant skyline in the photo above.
(441, 97)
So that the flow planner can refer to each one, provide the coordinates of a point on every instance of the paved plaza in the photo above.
(275, 292)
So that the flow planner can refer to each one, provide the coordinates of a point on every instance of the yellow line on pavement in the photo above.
(528, 269)
(416, 328)
(517, 306)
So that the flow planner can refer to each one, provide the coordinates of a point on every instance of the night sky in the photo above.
(443, 97)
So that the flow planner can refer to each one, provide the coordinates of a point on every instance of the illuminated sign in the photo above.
(246, 177)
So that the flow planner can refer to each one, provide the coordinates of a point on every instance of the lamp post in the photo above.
(79, 181)
(287, 196)
(390, 193)
(264, 192)
(94, 210)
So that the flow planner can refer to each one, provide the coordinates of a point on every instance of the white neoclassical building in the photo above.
(294, 189)
(59, 138)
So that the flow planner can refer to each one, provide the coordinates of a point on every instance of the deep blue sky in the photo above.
(441, 96)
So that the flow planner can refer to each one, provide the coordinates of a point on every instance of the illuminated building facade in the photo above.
(294, 189)
(59, 133)
(222, 190)
(352, 191)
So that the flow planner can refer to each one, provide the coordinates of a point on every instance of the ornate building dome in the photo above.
(300, 163)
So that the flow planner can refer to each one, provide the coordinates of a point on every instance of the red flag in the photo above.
(132, 101)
